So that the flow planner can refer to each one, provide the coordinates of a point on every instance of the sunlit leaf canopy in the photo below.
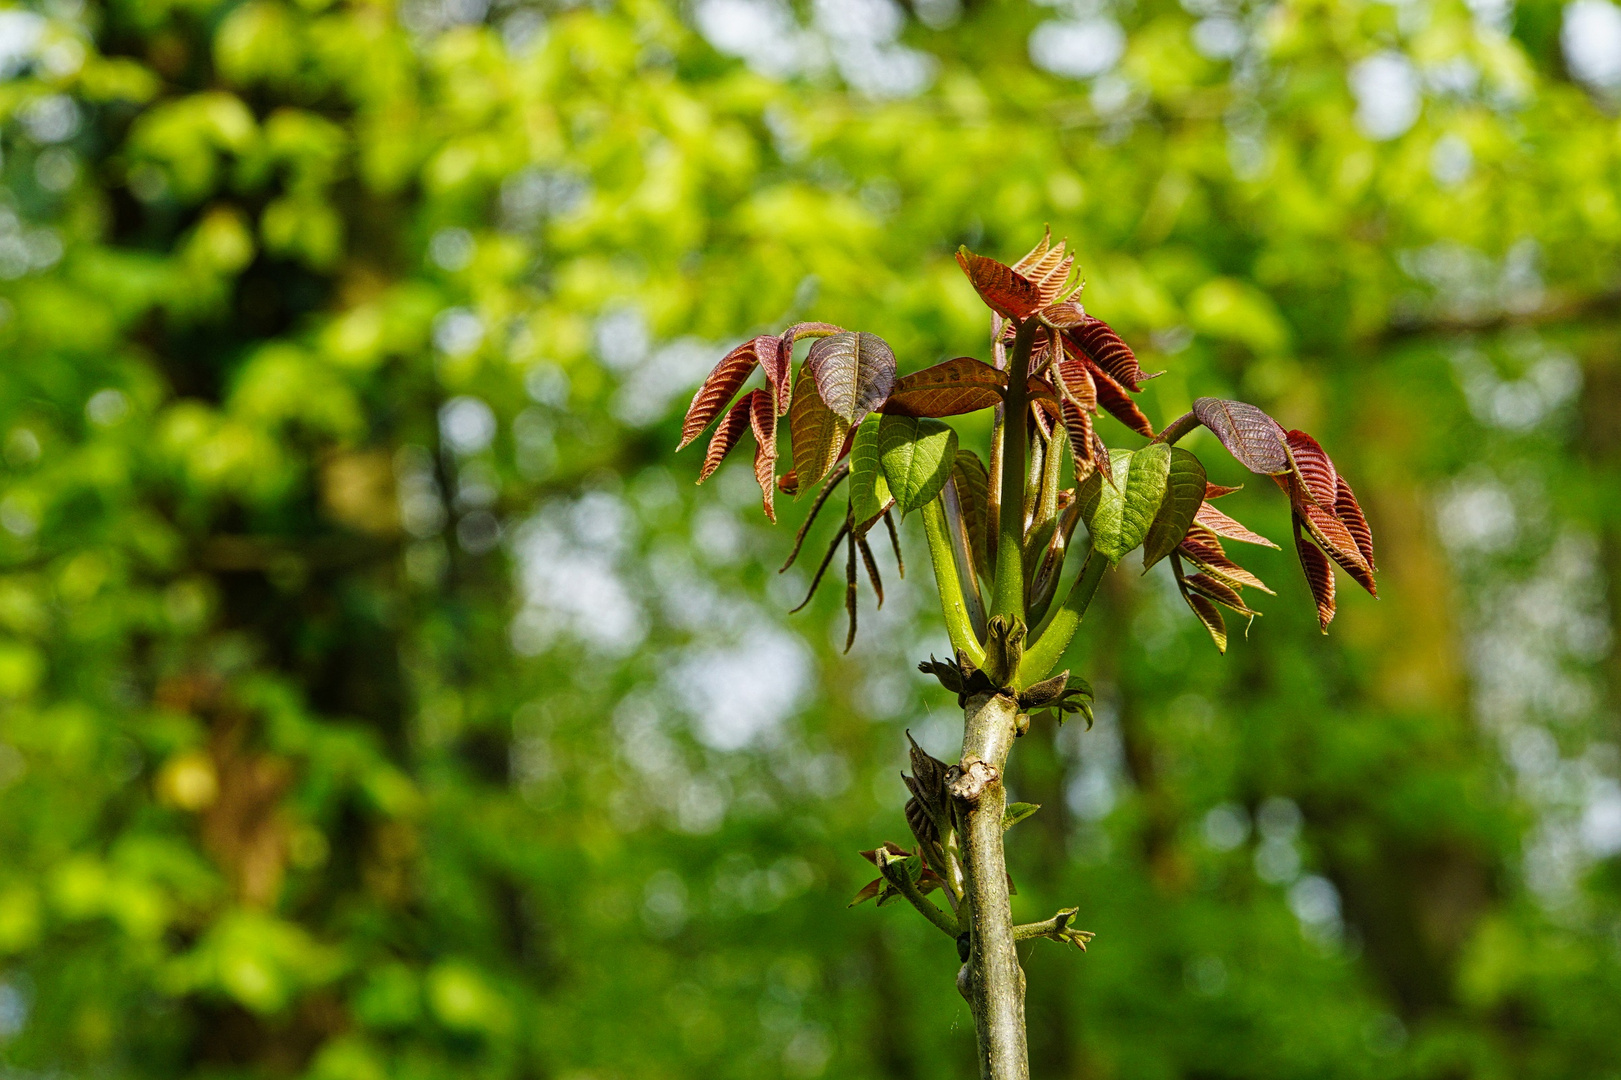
(381, 699)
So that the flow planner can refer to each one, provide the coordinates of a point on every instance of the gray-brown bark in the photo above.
(995, 982)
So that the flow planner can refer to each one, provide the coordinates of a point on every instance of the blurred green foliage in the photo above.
(379, 702)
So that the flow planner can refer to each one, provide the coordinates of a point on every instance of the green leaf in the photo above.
(817, 432)
(973, 493)
(917, 456)
(1017, 812)
(1184, 494)
(869, 491)
(1119, 515)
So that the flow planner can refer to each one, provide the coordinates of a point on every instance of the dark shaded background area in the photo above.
(378, 698)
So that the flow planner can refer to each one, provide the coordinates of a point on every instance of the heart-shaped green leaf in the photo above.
(1184, 494)
(917, 456)
(1119, 515)
(869, 491)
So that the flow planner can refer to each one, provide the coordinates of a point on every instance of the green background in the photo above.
(379, 698)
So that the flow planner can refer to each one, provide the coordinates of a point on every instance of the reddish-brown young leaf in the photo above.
(725, 380)
(818, 433)
(1216, 491)
(868, 891)
(726, 435)
(1113, 397)
(1249, 434)
(1101, 459)
(1349, 511)
(1048, 268)
(1219, 591)
(1203, 547)
(1216, 626)
(1222, 525)
(763, 419)
(784, 387)
(956, 386)
(1333, 537)
(1314, 468)
(1063, 315)
(1004, 291)
(854, 373)
(1082, 440)
(1319, 576)
(1095, 340)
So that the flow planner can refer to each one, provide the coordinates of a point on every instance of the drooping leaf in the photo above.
(1119, 404)
(1017, 812)
(869, 491)
(1210, 616)
(1319, 577)
(871, 564)
(1223, 525)
(776, 360)
(1120, 514)
(1314, 468)
(725, 438)
(1349, 511)
(1083, 441)
(1219, 591)
(1249, 434)
(1079, 395)
(763, 419)
(1004, 291)
(839, 473)
(854, 373)
(1334, 538)
(726, 379)
(973, 493)
(956, 386)
(818, 432)
(917, 455)
(1202, 547)
(827, 560)
(1184, 494)
(1097, 341)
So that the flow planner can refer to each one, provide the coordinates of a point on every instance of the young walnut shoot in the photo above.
(999, 534)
